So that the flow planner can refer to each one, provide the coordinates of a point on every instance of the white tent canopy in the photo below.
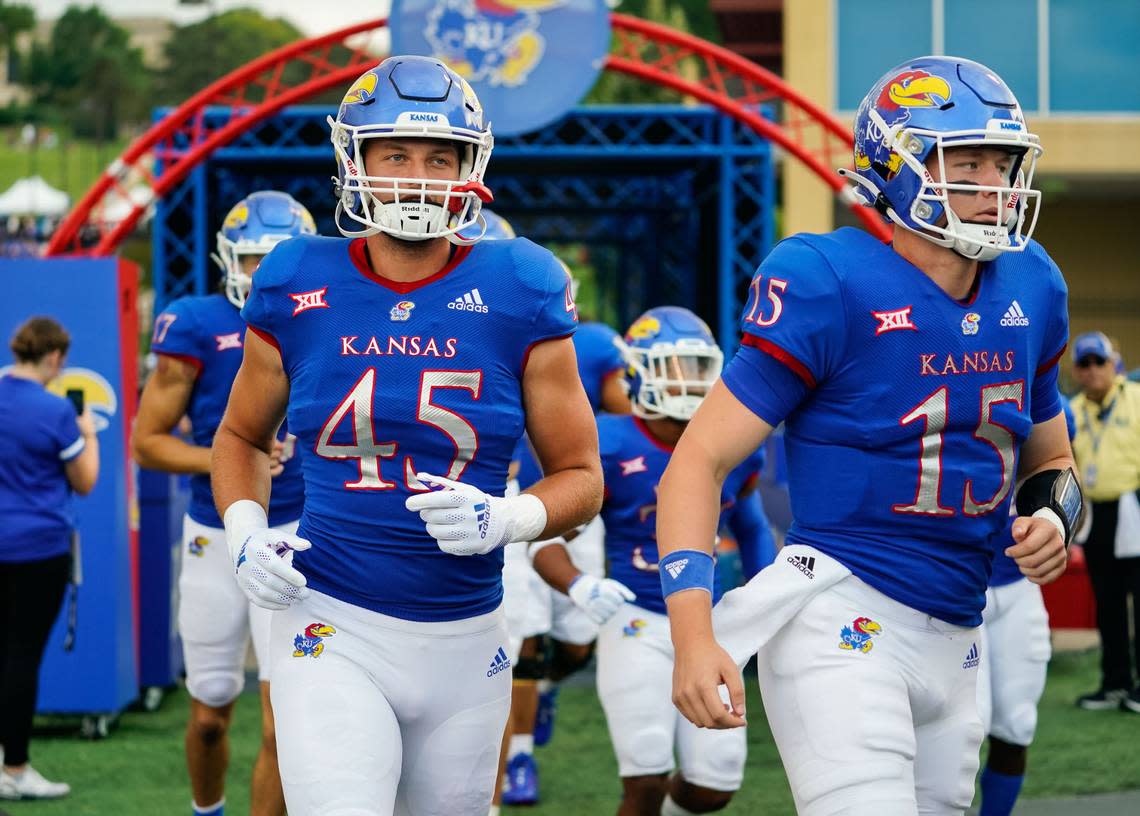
(33, 196)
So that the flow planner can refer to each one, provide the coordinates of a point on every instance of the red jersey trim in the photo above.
(358, 252)
(771, 349)
(1052, 361)
(639, 423)
(267, 337)
(530, 348)
(186, 358)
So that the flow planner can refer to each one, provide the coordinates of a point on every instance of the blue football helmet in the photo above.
(672, 361)
(411, 97)
(921, 108)
(253, 226)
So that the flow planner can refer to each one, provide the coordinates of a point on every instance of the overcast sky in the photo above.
(310, 16)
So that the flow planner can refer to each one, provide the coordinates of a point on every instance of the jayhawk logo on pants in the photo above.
(311, 642)
(857, 636)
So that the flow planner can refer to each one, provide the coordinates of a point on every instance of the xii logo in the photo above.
(893, 320)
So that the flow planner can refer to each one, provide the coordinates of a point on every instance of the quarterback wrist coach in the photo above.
(686, 569)
(1054, 495)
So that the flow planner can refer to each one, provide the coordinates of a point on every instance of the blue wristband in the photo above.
(686, 569)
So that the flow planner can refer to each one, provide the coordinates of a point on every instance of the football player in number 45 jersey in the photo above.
(917, 381)
(409, 359)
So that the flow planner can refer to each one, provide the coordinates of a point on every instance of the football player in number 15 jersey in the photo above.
(409, 358)
(917, 381)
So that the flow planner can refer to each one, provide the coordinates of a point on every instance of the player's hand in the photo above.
(277, 459)
(1038, 549)
(262, 558)
(599, 598)
(699, 671)
(464, 520)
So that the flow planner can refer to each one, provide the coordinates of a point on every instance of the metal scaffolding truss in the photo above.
(669, 204)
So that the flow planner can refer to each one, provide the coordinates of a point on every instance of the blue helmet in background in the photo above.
(921, 108)
(672, 362)
(411, 97)
(253, 226)
(498, 228)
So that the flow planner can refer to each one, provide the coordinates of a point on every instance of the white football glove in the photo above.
(262, 557)
(464, 520)
(600, 598)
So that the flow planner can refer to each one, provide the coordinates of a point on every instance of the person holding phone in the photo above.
(48, 450)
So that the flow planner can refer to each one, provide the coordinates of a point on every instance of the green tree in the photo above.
(690, 16)
(89, 75)
(199, 54)
(14, 19)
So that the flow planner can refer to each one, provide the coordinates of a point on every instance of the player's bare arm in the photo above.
(565, 439)
(164, 402)
(1041, 552)
(718, 438)
(243, 444)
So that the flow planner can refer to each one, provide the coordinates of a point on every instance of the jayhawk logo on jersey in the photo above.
(311, 642)
(857, 636)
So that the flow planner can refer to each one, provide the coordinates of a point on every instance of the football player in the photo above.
(672, 361)
(918, 384)
(199, 341)
(1014, 658)
(410, 358)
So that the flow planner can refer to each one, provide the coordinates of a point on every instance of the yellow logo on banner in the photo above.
(98, 395)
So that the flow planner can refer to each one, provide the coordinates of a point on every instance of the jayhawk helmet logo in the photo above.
(361, 90)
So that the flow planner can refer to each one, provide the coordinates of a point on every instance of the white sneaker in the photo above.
(30, 785)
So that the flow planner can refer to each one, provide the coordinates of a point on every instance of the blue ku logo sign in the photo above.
(529, 61)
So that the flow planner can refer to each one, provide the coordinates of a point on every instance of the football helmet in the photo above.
(672, 361)
(411, 97)
(254, 226)
(921, 108)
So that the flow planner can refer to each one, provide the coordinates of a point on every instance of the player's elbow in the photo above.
(142, 449)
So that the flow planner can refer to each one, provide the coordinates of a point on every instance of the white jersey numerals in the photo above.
(934, 411)
(368, 452)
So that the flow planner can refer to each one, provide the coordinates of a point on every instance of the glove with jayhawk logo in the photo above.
(262, 557)
(464, 520)
(599, 598)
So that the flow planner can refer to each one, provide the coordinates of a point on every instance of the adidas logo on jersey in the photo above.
(676, 568)
(499, 663)
(469, 302)
(1014, 316)
(804, 563)
(972, 657)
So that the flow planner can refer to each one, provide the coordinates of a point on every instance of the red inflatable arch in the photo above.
(652, 52)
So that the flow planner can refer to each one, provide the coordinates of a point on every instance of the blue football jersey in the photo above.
(391, 379)
(208, 332)
(633, 462)
(598, 357)
(1005, 569)
(905, 408)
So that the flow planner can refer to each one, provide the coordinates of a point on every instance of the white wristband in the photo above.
(1051, 516)
(528, 517)
(245, 514)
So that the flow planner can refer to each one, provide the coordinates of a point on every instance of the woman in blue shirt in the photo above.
(46, 453)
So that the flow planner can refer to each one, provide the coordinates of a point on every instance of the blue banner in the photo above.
(94, 299)
(530, 61)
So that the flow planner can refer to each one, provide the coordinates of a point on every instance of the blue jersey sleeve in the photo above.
(178, 334)
(1045, 400)
(555, 315)
(269, 297)
(765, 385)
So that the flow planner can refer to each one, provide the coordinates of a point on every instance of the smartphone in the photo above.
(75, 395)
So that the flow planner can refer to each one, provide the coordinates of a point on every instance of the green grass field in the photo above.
(139, 770)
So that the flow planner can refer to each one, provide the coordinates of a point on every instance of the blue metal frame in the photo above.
(673, 204)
